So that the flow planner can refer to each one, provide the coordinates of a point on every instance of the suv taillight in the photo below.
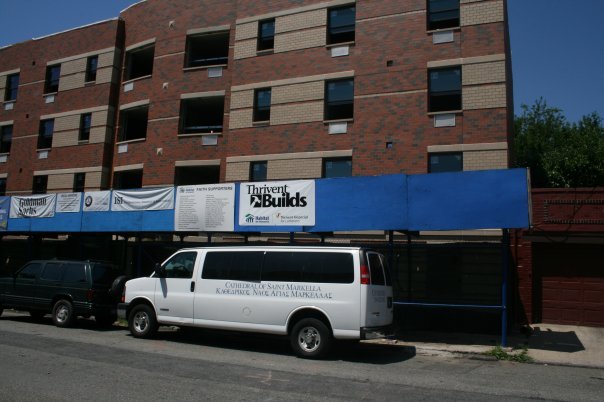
(90, 295)
(365, 275)
(123, 298)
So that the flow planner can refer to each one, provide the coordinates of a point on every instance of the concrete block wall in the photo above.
(62, 180)
(474, 12)
(67, 126)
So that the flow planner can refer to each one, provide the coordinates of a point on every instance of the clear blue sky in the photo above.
(557, 45)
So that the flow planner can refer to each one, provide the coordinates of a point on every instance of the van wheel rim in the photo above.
(309, 339)
(141, 321)
(62, 313)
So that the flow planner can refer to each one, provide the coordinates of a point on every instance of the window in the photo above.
(181, 265)
(139, 62)
(445, 162)
(133, 123)
(444, 89)
(91, 66)
(207, 50)
(443, 14)
(85, 123)
(45, 134)
(79, 182)
(258, 171)
(6, 139)
(308, 267)
(189, 175)
(340, 25)
(262, 104)
(52, 271)
(375, 269)
(74, 272)
(40, 184)
(128, 179)
(102, 274)
(266, 35)
(29, 271)
(2, 185)
(202, 115)
(12, 87)
(338, 167)
(235, 266)
(339, 99)
(53, 73)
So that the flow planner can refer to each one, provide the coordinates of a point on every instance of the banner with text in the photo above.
(152, 199)
(278, 203)
(69, 202)
(4, 204)
(205, 208)
(97, 201)
(33, 206)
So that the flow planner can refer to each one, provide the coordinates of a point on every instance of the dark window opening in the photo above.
(262, 104)
(2, 186)
(308, 267)
(202, 115)
(340, 24)
(445, 162)
(443, 14)
(53, 74)
(266, 35)
(235, 266)
(337, 167)
(12, 87)
(47, 128)
(207, 49)
(444, 89)
(85, 124)
(133, 123)
(6, 139)
(186, 176)
(79, 182)
(91, 66)
(40, 185)
(258, 171)
(139, 62)
(128, 179)
(74, 273)
(339, 99)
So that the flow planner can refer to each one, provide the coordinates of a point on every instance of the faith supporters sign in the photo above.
(282, 203)
(208, 208)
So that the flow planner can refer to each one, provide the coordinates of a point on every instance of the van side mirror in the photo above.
(160, 271)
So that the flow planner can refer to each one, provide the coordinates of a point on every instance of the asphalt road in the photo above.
(41, 362)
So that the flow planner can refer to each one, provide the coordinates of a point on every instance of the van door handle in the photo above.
(192, 286)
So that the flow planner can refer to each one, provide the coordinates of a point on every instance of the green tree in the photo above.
(559, 153)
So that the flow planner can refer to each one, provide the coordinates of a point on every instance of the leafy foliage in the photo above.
(559, 153)
(519, 355)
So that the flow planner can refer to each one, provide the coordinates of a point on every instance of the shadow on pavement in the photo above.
(556, 341)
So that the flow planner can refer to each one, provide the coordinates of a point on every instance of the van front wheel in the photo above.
(310, 338)
(142, 321)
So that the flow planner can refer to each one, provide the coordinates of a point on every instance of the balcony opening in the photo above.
(202, 115)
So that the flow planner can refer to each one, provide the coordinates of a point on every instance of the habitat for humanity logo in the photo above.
(265, 196)
(249, 218)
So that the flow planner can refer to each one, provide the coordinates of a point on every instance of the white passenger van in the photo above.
(311, 294)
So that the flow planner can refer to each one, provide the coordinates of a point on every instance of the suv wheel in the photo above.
(142, 321)
(62, 313)
(310, 338)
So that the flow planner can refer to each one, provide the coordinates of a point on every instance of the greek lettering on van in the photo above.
(289, 290)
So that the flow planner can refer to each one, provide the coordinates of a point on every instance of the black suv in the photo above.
(66, 289)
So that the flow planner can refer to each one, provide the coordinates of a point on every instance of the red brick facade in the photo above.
(389, 60)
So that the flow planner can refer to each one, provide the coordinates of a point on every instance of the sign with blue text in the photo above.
(205, 208)
(277, 203)
(146, 199)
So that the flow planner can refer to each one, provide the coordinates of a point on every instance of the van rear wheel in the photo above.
(310, 338)
(142, 322)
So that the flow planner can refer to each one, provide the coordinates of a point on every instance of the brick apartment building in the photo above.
(194, 92)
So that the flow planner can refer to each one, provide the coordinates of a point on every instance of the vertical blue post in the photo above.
(505, 261)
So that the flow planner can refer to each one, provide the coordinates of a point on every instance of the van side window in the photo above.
(74, 273)
(386, 270)
(316, 267)
(29, 271)
(181, 265)
(235, 266)
(375, 266)
(52, 272)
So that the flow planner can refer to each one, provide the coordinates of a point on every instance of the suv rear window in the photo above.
(103, 274)
(52, 272)
(74, 272)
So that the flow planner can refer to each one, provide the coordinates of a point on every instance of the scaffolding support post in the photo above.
(505, 262)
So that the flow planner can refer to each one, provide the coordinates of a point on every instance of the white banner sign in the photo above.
(205, 208)
(69, 202)
(96, 201)
(279, 203)
(152, 199)
(33, 206)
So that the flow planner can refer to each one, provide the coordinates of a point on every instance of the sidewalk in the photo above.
(547, 344)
